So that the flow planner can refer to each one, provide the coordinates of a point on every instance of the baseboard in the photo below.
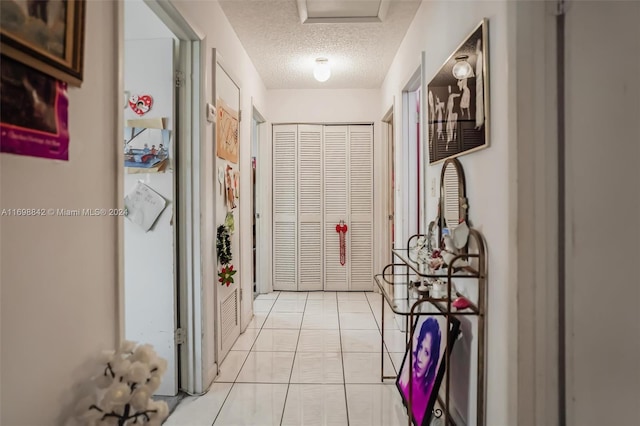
(211, 375)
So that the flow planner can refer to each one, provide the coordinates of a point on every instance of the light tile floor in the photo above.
(306, 359)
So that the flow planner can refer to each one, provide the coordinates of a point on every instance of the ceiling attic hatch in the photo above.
(342, 11)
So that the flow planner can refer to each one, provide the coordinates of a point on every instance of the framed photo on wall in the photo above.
(425, 365)
(458, 100)
(34, 110)
(46, 35)
(227, 142)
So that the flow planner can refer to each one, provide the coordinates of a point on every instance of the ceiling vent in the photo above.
(342, 11)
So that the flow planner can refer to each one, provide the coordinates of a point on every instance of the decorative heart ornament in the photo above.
(140, 104)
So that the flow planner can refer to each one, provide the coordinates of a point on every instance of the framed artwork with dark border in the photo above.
(34, 111)
(426, 366)
(458, 100)
(46, 35)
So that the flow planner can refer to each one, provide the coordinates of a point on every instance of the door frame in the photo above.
(263, 206)
(409, 213)
(190, 127)
(389, 185)
(218, 61)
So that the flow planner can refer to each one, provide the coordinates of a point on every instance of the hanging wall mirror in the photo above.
(453, 203)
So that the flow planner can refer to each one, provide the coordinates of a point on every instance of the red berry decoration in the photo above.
(226, 275)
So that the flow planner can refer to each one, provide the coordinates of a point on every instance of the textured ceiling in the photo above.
(284, 50)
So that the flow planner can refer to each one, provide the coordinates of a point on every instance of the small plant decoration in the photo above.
(226, 275)
(122, 391)
(223, 245)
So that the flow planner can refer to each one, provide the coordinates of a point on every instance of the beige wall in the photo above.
(603, 212)
(59, 274)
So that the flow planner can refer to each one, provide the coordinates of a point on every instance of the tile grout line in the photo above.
(344, 374)
(293, 363)
(380, 331)
(243, 363)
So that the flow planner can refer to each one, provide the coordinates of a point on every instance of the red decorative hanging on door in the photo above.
(341, 229)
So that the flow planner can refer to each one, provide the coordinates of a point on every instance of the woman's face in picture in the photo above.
(423, 356)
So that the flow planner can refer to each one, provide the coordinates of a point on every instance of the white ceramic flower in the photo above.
(144, 353)
(154, 382)
(133, 366)
(161, 365)
(158, 412)
(161, 407)
(92, 416)
(140, 398)
(127, 347)
(122, 368)
(117, 394)
(138, 373)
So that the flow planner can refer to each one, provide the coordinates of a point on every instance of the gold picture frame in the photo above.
(47, 35)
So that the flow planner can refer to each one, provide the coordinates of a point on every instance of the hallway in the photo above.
(306, 358)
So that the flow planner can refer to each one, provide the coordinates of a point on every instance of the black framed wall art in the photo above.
(458, 100)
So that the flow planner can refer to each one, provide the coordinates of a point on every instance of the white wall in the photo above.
(533, 85)
(59, 274)
(150, 256)
(340, 106)
(208, 19)
(438, 28)
(323, 106)
(603, 212)
(140, 23)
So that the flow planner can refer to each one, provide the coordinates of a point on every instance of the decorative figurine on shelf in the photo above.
(422, 287)
(461, 303)
(438, 289)
(449, 252)
(460, 235)
(435, 261)
(416, 247)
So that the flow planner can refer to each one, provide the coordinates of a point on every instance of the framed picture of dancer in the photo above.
(424, 365)
(458, 100)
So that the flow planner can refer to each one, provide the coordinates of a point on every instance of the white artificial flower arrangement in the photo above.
(122, 391)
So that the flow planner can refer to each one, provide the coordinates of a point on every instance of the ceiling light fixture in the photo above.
(322, 71)
(462, 69)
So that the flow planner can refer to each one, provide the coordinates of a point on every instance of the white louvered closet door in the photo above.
(336, 202)
(310, 207)
(360, 235)
(284, 207)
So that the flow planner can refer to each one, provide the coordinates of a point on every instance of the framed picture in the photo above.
(227, 133)
(47, 35)
(458, 100)
(426, 367)
(33, 112)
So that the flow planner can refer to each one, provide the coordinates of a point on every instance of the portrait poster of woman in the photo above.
(427, 366)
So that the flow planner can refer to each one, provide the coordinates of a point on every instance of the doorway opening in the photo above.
(387, 121)
(412, 156)
(158, 275)
(257, 165)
